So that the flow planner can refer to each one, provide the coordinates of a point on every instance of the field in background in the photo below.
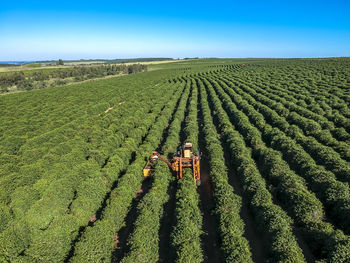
(26, 80)
(71, 63)
(275, 141)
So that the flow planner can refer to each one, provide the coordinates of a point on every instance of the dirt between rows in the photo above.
(210, 238)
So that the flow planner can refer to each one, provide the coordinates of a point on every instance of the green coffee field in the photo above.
(275, 141)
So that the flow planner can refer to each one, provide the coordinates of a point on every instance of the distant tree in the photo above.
(59, 62)
(59, 82)
(131, 69)
(25, 85)
(39, 75)
(3, 89)
(41, 85)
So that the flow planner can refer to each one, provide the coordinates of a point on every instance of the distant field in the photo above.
(51, 64)
(48, 77)
(75, 63)
(24, 67)
(156, 62)
(83, 63)
(274, 137)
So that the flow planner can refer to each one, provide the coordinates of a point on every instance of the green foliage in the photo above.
(144, 241)
(69, 169)
(186, 234)
(5, 217)
(270, 217)
(25, 85)
(97, 241)
(290, 189)
(60, 62)
(14, 240)
(62, 180)
(40, 78)
(11, 144)
(51, 245)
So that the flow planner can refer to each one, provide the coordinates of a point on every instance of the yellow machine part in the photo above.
(187, 153)
(198, 173)
(147, 172)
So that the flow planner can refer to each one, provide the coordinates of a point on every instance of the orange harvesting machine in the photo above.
(185, 158)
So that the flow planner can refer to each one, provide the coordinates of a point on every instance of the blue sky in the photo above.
(38, 30)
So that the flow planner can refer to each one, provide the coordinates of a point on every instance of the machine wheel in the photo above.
(198, 182)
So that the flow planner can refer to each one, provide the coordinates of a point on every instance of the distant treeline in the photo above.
(132, 60)
(38, 79)
(111, 61)
(8, 65)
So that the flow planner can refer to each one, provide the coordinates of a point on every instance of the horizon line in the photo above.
(170, 58)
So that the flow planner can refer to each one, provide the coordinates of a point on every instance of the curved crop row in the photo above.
(72, 144)
(93, 188)
(303, 205)
(97, 241)
(335, 109)
(42, 208)
(235, 247)
(144, 241)
(186, 234)
(52, 108)
(273, 221)
(311, 124)
(314, 106)
(334, 194)
(322, 154)
(96, 139)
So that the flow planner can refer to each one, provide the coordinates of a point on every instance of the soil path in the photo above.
(210, 238)
(298, 233)
(251, 233)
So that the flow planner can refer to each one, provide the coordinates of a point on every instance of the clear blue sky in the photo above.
(38, 30)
